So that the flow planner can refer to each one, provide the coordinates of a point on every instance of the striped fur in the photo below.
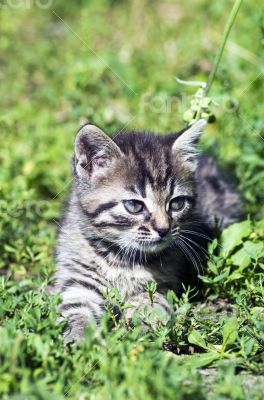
(103, 245)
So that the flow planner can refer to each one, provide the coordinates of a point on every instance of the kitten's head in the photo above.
(137, 189)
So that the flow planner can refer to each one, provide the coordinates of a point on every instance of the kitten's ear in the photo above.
(186, 143)
(94, 151)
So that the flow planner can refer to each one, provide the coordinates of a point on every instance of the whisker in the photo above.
(197, 234)
(187, 253)
(202, 248)
(194, 253)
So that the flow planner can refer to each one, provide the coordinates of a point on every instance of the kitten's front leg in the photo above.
(158, 308)
(81, 304)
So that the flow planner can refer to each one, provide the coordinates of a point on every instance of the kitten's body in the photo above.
(102, 245)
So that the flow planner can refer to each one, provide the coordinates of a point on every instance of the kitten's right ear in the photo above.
(94, 151)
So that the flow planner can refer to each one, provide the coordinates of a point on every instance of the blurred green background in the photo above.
(114, 63)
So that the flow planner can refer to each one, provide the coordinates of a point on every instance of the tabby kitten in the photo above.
(142, 209)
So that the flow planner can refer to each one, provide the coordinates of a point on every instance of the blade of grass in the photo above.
(229, 24)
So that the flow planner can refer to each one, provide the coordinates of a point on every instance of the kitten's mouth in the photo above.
(153, 245)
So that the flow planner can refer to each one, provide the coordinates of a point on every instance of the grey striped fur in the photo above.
(102, 245)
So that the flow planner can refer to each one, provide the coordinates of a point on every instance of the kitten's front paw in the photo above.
(154, 317)
(149, 315)
(75, 329)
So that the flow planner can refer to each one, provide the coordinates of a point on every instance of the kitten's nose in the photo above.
(162, 231)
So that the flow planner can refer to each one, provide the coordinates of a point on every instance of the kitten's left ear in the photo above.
(186, 143)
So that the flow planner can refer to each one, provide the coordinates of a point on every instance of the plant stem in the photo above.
(219, 54)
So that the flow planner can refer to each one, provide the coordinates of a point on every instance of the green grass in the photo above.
(115, 63)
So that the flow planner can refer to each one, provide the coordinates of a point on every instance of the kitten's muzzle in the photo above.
(162, 231)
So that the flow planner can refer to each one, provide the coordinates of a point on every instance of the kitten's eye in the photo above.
(177, 203)
(133, 206)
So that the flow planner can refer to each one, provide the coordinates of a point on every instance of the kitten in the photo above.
(142, 209)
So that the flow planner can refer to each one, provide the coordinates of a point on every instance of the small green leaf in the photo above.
(201, 360)
(254, 250)
(233, 235)
(230, 332)
(9, 249)
(196, 338)
(241, 259)
(191, 83)
(126, 306)
(235, 276)
(212, 246)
